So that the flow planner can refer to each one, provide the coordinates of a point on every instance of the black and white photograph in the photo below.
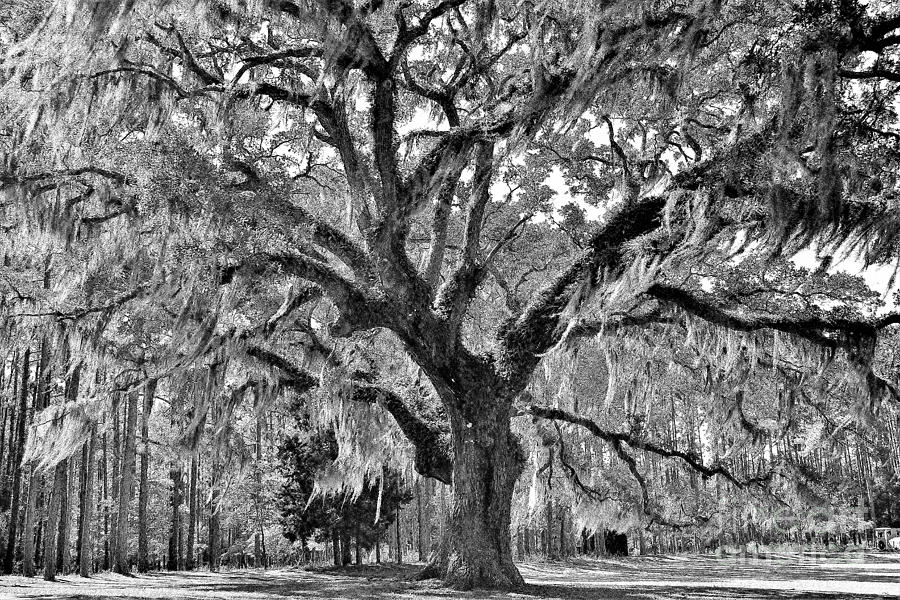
(449, 299)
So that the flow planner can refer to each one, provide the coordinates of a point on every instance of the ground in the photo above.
(794, 577)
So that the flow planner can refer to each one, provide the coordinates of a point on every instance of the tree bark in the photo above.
(62, 541)
(215, 538)
(63, 553)
(143, 487)
(259, 538)
(79, 524)
(336, 547)
(192, 516)
(15, 460)
(114, 479)
(487, 460)
(4, 414)
(345, 548)
(421, 537)
(399, 555)
(126, 486)
(215, 479)
(87, 505)
(35, 481)
(104, 478)
(51, 529)
(175, 530)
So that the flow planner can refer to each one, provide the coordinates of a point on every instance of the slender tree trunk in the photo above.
(105, 483)
(345, 548)
(358, 548)
(563, 547)
(63, 553)
(487, 460)
(39, 536)
(336, 547)
(115, 478)
(552, 548)
(259, 538)
(421, 537)
(215, 536)
(264, 557)
(15, 460)
(4, 415)
(51, 528)
(87, 505)
(10, 447)
(181, 539)
(62, 540)
(175, 531)
(399, 545)
(79, 525)
(192, 515)
(143, 487)
(35, 481)
(126, 485)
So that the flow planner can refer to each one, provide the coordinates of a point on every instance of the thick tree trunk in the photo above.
(143, 487)
(87, 505)
(126, 486)
(476, 551)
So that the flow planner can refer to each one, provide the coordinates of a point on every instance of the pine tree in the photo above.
(143, 485)
(16, 462)
(85, 545)
(121, 562)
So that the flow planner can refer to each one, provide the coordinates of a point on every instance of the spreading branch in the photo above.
(618, 438)
(431, 445)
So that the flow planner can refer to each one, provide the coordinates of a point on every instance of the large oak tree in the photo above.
(396, 156)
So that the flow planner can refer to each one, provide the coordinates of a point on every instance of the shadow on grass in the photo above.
(651, 578)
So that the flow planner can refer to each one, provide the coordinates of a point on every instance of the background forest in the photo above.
(461, 281)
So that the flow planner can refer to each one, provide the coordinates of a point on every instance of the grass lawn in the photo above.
(789, 576)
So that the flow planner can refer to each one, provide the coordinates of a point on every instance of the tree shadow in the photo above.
(643, 578)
